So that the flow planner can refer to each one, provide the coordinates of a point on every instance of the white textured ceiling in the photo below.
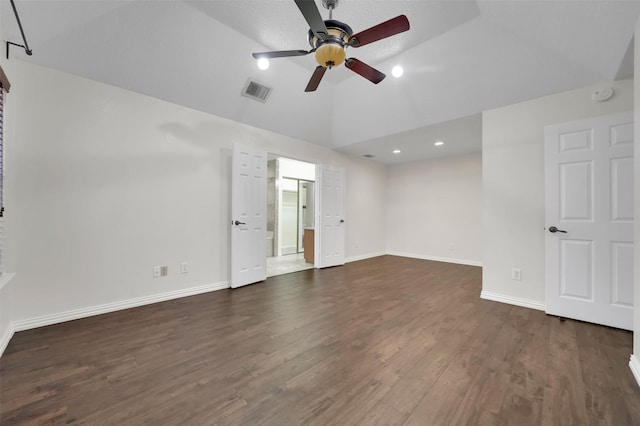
(459, 136)
(460, 58)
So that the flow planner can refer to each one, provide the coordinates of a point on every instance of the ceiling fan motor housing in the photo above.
(330, 52)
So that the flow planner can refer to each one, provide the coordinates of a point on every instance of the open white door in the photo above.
(589, 220)
(331, 221)
(248, 216)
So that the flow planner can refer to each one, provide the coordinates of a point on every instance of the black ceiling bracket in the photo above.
(25, 46)
(26, 50)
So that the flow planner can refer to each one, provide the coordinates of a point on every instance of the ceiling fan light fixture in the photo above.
(330, 55)
(331, 51)
(330, 38)
(397, 71)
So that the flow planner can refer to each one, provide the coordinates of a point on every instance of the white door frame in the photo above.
(317, 204)
(278, 201)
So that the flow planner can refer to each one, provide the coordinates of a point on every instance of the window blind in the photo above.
(2, 95)
(2, 223)
(4, 89)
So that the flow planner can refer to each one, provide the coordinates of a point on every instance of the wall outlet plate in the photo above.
(516, 274)
(156, 271)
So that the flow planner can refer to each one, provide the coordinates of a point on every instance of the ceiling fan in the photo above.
(329, 40)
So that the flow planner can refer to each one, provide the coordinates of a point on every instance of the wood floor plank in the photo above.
(615, 343)
(523, 396)
(601, 410)
(468, 353)
(386, 341)
(565, 391)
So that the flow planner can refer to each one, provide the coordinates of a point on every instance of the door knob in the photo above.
(237, 222)
(553, 230)
(341, 220)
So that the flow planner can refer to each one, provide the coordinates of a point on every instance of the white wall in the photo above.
(109, 183)
(8, 263)
(434, 209)
(636, 324)
(513, 186)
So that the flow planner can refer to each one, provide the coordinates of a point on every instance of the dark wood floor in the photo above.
(386, 341)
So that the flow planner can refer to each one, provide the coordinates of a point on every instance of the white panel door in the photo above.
(331, 223)
(248, 216)
(589, 220)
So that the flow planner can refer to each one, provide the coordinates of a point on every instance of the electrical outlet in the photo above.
(516, 274)
(184, 267)
(156, 271)
(452, 246)
(164, 271)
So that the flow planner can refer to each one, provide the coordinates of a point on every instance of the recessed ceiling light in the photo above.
(396, 151)
(263, 63)
(397, 71)
(439, 143)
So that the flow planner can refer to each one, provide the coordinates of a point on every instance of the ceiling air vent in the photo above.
(368, 156)
(256, 91)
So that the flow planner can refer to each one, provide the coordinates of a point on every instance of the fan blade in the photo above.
(312, 15)
(315, 79)
(386, 29)
(280, 54)
(367, 71)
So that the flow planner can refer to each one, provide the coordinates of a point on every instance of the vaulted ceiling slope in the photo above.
(460, 57)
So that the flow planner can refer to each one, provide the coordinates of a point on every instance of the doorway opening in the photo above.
(291, 213)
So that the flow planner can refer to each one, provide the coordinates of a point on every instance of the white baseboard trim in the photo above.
(518, 301)
(74, 314)
(289, 250)
(364, 256)
(435, 258)
(634, 364)
(6, 337)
